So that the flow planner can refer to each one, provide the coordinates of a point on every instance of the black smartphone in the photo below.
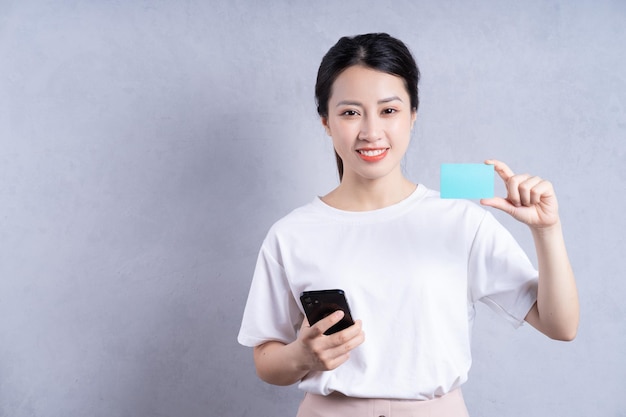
(320, 304)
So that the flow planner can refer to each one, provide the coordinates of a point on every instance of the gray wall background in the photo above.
(147, 146)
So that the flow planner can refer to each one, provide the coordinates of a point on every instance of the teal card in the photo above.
(470, 181)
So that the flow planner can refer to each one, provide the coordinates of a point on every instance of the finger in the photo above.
(499, 203)
(305, 324)
(342, 343)
(511, 181)
(349, 333)
(513, 188)
(501, 168)
(329, 321)
(331, 351)
(542, 190)
(332, 360)
(525, 189)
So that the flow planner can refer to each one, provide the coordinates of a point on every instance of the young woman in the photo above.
(412, 265)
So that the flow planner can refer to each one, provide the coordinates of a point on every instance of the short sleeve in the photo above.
(500, 273)
(271, 313)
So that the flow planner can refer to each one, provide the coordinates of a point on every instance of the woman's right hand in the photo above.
(285, 364)
(320, 352)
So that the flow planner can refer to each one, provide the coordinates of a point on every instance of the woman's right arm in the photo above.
(285, 364)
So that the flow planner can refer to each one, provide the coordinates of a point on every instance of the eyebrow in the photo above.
(356, 103)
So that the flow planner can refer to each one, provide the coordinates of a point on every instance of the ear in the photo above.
(413, 117)
(325, 124)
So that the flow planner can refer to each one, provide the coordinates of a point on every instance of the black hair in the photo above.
(378, 51)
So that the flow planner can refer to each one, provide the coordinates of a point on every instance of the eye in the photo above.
(389, 111)
(350, 113)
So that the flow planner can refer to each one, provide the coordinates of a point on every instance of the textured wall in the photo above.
(147, 146)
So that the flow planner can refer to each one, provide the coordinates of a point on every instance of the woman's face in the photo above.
(370, 120)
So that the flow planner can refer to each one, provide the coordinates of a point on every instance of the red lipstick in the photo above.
(372, 155)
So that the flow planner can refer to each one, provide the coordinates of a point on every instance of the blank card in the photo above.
(469, 181)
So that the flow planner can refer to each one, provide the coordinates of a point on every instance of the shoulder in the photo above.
(303, 215)
(300, 220)
(453, 209)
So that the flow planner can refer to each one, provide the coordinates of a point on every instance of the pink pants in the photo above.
(338, 405)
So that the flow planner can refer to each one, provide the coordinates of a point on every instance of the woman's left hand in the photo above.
(530, 199)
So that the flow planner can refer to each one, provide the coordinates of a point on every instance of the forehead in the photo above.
(359, 82)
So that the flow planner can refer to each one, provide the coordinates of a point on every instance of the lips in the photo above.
(372, 155)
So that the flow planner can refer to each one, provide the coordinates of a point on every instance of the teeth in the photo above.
(374, 152)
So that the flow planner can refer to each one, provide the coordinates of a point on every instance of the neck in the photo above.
(358, 194)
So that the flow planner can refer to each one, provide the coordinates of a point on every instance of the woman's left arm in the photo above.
(532, 201)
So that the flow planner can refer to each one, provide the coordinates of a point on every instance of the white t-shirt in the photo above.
(411, 272)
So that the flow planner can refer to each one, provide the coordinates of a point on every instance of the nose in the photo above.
(370, 129)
